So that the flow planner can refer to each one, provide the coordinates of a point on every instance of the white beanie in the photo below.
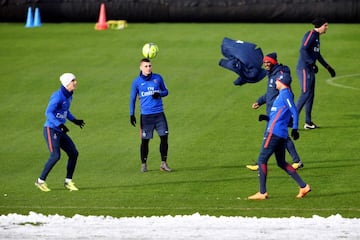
(66, 78)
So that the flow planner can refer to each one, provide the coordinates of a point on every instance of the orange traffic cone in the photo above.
(102, 24)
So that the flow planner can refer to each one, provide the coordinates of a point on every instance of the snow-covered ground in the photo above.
(196, 226)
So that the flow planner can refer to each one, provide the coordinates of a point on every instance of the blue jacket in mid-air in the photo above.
(244, 59)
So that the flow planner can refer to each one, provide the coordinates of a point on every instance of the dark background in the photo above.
(184, 10)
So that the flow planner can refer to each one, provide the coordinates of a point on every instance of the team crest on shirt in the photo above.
(155, 81)
(271, 82)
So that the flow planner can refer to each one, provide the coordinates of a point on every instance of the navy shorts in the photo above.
(156, 121)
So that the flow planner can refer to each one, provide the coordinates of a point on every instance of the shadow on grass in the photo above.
(329, 164)
(320, 127)
(169, 182)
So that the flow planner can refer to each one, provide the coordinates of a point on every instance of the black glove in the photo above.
(63, 128)
(133, 120)
(331, 71)
(295, 134)
(79, 122)
(315, 68)
(263, 117)
(156, 95)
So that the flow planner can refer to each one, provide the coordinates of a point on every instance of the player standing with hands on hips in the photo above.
(276, 136)
(306, 68)
(150, 88)
(55, 132)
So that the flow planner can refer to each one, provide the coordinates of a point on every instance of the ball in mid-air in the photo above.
(150, 50)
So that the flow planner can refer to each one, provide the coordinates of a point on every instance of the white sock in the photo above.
(67, 180)
(40, 180)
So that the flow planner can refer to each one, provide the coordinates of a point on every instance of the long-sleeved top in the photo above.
(58, 109)
(310, 51)
(276, 72)
(243, 58)
(144, 87)
(281, 111)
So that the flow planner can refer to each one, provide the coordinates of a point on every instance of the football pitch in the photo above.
(214, 132)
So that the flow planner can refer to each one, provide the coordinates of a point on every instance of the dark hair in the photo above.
(318, 22)
(144, 60)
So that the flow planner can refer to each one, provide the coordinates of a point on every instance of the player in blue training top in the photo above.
(55, 132)
(150, 88)
(276, 136)
(306, 68)
(274, 71)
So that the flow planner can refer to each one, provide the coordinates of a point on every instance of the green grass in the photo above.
(214, 132)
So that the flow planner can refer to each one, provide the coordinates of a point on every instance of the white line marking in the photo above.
(330, 81)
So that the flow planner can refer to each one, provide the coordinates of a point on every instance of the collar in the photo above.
(66, 93)
(146, 78)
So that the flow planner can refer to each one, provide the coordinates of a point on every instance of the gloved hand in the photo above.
(295, 134)
(331, 71)
(263, 117)
(315, 68)
(63, 128)
(79, 122)
(133, 120)
(156, 95)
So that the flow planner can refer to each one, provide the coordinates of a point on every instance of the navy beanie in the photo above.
(318, 22)
(285, 78)
(271, 57)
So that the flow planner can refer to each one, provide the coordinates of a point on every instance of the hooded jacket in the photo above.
(278, 71)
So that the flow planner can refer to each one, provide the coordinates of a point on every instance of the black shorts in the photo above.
(156, 121)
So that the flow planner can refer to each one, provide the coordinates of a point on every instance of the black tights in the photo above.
(144, 148)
